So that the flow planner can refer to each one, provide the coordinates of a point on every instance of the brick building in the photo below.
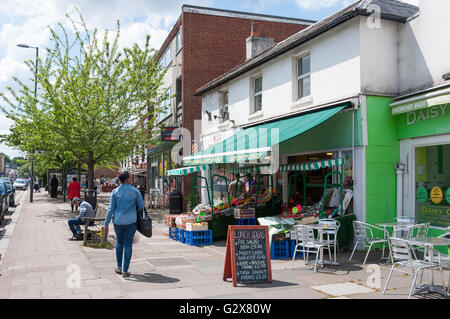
(203, 44)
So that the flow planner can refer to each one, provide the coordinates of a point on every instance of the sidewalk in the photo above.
(40, 262)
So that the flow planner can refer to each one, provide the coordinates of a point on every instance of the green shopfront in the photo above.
(424, 135)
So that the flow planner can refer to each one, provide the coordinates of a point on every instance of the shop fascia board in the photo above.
(422, 101)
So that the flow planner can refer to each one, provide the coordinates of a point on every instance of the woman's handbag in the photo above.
(144, 223)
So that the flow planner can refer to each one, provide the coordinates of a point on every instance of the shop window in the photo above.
(303, 76)
(432, 185)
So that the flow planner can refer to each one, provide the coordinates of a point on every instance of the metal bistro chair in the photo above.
(364, 234)
(418, 230)
(304, 237)
(444, 261)
(331, 235)
(401, 255)
(404, 227)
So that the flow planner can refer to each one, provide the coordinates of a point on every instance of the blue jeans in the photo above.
(74, 225)
(124, 241)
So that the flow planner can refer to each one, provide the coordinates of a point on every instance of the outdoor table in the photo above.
(320, 229)
(428, 243)
(392, 225)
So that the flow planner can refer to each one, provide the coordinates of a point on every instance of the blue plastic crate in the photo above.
(299, 254)
(198, 238)
(173, 233)
(280, 249)
(245, 221)
(180, 235)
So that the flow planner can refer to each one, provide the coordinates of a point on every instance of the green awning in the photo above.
(186, 170)
(254, 143)
(311, 166)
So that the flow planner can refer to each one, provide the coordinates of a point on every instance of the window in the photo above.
(257, 94)
(166, 58)
(303, 76)
(179, 40)
(224, 106)
(166, 107)
(432, 179)
(178, 91)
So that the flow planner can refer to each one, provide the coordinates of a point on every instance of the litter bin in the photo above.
(175, 202)
(90, 196)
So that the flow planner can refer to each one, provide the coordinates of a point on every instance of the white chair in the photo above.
(330, 230)
(364, 234)
(304, 237)
(401, 256)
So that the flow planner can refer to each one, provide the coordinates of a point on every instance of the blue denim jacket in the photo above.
(122, 205)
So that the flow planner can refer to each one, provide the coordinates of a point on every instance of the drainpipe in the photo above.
(400, 170)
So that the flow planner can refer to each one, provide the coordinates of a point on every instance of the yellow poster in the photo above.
(436, 195)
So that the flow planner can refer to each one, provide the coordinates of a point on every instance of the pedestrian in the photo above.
(54, 187)
(74, 191)
(86, 210)
(122, 210)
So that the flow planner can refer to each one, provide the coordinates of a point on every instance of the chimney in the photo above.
(256, 44)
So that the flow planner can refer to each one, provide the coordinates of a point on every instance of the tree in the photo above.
(95, 101)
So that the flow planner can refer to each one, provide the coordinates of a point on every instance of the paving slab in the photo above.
(342, 289)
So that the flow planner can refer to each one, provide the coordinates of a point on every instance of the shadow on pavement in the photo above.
(152, 277)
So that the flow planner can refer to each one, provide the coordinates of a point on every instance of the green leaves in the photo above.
(93, 98)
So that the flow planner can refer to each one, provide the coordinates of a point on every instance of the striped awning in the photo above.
(186, 170)
(246, 170)
(311, 166)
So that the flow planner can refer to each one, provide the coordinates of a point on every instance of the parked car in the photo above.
(20, 184)
(10, 190)
(4, 199)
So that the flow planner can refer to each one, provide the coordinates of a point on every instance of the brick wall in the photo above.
(212, 45)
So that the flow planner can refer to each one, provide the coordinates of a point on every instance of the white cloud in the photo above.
(27, 22)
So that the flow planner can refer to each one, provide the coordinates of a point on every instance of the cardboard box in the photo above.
(244, 213)
(196, 227)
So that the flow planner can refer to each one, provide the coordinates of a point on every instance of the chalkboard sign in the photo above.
(247, 258)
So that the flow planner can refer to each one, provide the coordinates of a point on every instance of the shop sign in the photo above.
(425, 114)
(422, 194)
(447, 195)
(166, 134)
(429, 121)
(436, 195)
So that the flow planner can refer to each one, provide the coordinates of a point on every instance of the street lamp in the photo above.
(35, 98)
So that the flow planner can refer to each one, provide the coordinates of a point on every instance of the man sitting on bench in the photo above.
(86, 210)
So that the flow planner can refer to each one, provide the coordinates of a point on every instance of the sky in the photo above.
(27, 21)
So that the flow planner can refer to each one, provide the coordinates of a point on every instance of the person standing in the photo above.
(122, 211)
(54, 187)
(86, 210)
(74, 191)
(236, 187)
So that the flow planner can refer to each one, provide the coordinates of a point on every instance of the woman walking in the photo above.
(122, 211)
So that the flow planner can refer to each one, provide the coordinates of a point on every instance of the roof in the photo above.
(390, 10)
(229, 13)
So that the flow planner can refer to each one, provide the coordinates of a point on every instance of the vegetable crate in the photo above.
(180, 236)
(280, 249)
(198, 238)
(173, 233)
(244, 213)
(245, 221)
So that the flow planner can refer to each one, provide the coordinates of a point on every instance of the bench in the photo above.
(95, 224)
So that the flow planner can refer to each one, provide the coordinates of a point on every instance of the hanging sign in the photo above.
(422, 194)
(247, 257)
(436, 195)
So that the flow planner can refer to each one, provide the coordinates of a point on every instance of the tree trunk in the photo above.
(91, 165)
(79, 172)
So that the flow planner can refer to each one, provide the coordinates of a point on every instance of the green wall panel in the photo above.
(336, 132)
(382, 153)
